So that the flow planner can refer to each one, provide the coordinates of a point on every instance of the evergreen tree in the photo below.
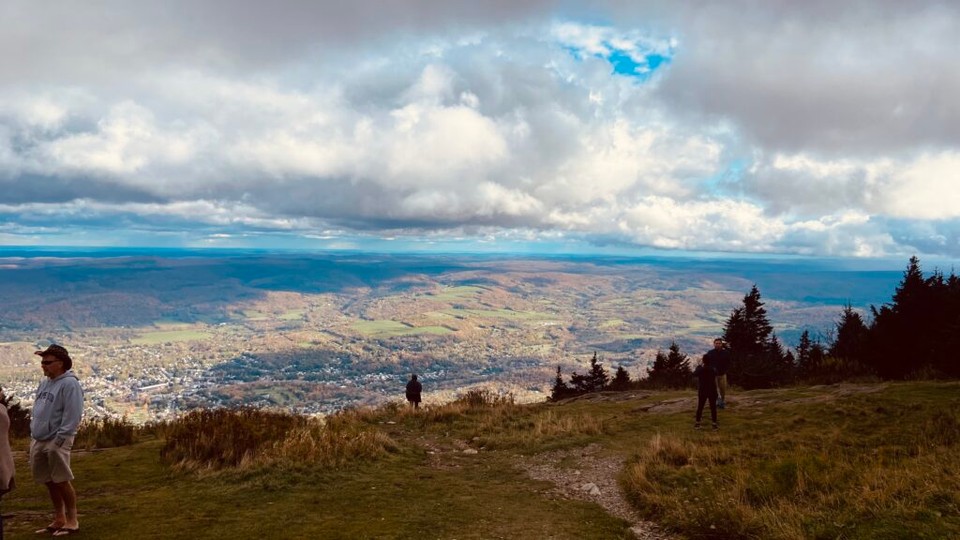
(790, 359)
(851, 339)
(621, 380)
(678, 366)
(594, 380)
(560, 388)
(597, 377)
(810, 356)
(949, 363)
(900, 338)
(580, 384)
(804, 346)
(657, 374)
(757, 358)
(670, 370)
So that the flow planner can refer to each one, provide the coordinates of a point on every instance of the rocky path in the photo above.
(591, 476)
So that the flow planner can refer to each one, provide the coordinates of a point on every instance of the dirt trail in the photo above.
(593, 475)
(592, 478)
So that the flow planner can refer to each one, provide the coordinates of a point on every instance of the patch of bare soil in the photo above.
(591, 476)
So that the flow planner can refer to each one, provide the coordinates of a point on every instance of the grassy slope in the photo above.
(844, 461)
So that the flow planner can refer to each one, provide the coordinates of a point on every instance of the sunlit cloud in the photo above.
(809, 129)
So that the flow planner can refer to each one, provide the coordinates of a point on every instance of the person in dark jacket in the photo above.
(413, 391)
(706, 390)
(720, 360)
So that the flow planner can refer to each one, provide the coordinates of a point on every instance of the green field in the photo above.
(164, 336)
(387, 329)
(254, 315)
(451, 294)
(498, 314)
(165, 324)
(292, 315)
(612, 323)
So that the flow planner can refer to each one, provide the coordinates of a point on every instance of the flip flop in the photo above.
(64, 531)
(49, 529)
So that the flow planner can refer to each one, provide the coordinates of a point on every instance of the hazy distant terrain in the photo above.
(157, 331)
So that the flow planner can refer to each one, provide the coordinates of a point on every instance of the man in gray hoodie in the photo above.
(57, 410)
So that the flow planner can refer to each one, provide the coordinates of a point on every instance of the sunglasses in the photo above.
(48, 362)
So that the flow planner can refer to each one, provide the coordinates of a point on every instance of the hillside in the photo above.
(841, 461)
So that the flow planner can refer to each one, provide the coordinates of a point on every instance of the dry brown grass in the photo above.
(249, 438)
(327, 445)
(106, 433)
(813, 479)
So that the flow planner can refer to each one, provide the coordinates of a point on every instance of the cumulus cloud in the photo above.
(814, 128)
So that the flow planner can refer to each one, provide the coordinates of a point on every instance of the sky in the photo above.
(746, 126)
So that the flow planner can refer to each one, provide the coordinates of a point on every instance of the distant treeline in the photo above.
(915, 336)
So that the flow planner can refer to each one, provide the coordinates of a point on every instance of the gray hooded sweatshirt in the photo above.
(57, 409)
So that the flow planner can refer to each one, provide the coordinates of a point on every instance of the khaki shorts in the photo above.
(49, 462)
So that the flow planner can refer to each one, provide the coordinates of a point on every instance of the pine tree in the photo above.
(621, 380)
(804, 348)
(949, 330)
(900, 338)
(678, 367)
(757, 358)
(593, 381)
(657, 374)
(580, 384)
(851, 337)
(560, 388)
(597, 376)
(670, 370)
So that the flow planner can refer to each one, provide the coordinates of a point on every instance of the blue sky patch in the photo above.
(625, 64)
(639, 60)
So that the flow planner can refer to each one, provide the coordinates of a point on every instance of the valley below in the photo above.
(156, 333)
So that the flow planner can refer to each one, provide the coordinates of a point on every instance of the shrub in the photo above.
(480, 398)
(225, 437)
(105, 433)
(248, 437)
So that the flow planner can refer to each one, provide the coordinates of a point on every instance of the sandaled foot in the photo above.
(65, 531)
(49, 529)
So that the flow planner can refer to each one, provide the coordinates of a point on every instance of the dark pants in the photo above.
(701, 399)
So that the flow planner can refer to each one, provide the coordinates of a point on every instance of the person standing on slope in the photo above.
(414, 388)
(57, 411)
(720, 360)
(706, 390)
